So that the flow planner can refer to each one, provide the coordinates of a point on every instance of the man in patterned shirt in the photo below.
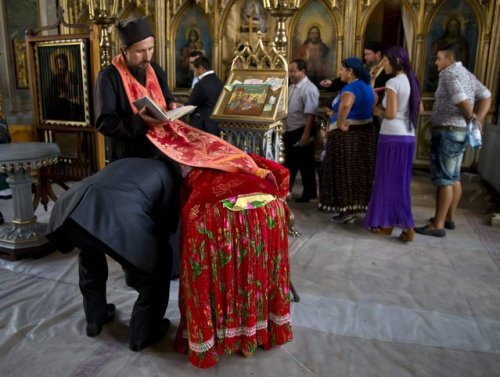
(460, 98)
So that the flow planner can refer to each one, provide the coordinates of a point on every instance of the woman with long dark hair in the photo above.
(390, 204)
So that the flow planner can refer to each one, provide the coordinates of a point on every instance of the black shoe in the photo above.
(427, 231)
(1, 219)
(160, 334)
(342, 218)
(93, 329)
(448, 224)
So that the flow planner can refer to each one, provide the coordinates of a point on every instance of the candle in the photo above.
(250, 29)
(114, 12)
(91, 9)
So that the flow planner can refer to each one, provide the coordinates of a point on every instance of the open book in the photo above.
(158, 113)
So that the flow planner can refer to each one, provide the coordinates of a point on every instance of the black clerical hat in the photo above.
(134, 30)
(374, 46)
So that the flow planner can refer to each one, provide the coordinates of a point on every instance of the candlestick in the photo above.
(91, 9)
(104, 17)
(282, 10)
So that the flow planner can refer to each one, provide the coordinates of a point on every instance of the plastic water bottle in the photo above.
(474, 134)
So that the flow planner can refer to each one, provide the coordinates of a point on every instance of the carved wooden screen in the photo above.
(60, 80)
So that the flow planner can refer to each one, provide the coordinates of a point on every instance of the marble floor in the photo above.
(369, 306)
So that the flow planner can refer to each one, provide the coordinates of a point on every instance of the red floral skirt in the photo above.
(235, 277)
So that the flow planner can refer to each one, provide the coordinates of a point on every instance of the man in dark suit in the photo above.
(192, 57)
(204, 95)
(127, 211)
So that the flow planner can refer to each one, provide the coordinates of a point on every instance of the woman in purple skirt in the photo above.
(390, 203)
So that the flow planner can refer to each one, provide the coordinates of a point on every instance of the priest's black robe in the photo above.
(125, 131)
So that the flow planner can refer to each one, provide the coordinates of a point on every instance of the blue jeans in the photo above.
(447, 152)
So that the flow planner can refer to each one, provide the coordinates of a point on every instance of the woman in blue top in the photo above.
(348, 166)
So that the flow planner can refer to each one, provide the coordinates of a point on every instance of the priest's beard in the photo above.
(139, 74)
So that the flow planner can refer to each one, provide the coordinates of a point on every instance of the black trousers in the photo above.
(153, 288)
(301, 159)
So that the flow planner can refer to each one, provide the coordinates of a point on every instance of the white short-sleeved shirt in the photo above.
(303, 99)
(399, 125)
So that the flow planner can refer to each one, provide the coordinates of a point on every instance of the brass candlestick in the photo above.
(104, 16)
(282, 10)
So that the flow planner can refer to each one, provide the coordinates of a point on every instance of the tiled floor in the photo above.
(370, 306)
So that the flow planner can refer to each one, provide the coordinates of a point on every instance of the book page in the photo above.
(153, 108)
(158, 113)
(180, 112)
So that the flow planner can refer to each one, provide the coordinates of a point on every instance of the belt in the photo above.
(352, 122)
(450, 128)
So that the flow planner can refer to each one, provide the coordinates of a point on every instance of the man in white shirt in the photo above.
(303, 100)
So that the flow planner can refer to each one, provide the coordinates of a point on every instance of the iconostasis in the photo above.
(323, 32)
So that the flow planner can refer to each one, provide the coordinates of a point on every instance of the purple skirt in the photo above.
(390, 203)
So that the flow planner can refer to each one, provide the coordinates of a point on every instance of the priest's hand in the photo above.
(326, 83)
(174, 105)
(148, 119)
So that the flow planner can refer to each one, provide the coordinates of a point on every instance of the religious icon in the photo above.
(247, 99)
(314, 41)
(61, 82)
(315, 52)
(453, 24)
(253, 17)
(193, 35)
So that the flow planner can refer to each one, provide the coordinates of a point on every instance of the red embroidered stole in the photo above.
(183, 143)
(193, 147)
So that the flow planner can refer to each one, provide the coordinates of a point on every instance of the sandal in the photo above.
(247, 354)
(407, 235)
(382, 231)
